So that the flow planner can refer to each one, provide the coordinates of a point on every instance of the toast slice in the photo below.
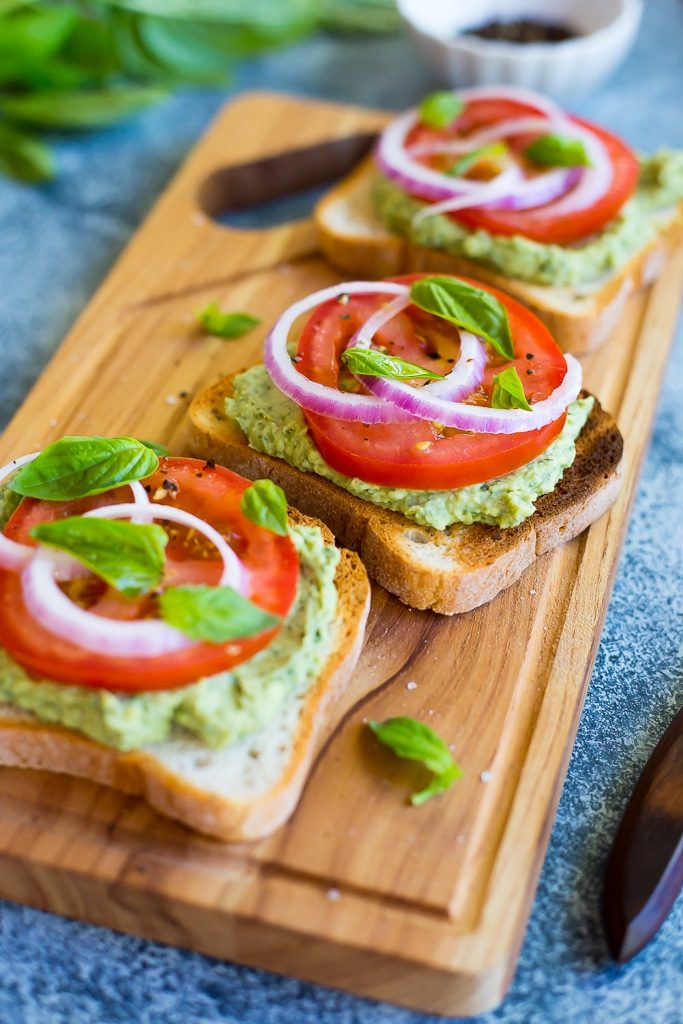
(580, 319)
(243, 791)
(449, 571)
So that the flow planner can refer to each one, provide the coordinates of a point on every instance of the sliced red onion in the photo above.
(49, 605)
(13, 555)
(146, 638)
(457, 385)
(492, 133)
(318, 397)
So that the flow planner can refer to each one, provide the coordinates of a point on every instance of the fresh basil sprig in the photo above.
(213, 614)
(508, 391)
(557, 151)
(415, 741)
(491, 152)
(440, 109)
(266, 505)
(226, 325)
(76, 467)
(370, 363)
(127, 556)
(467, 307)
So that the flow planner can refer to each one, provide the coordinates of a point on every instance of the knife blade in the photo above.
(644, 872)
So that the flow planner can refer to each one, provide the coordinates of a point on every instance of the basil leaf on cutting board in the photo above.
(226, 325)
(557, 151)
(440, 109)
(213, 614)
(265, 504)
(77, 467)
(415, 741)
(508, 391)
(467, 307)
(128, 556)
(371, 363)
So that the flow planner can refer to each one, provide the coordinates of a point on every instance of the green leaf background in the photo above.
(75, 66)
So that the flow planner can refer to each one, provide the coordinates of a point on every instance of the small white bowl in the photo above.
(565, 70)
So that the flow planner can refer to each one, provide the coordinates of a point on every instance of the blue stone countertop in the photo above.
(58, 241)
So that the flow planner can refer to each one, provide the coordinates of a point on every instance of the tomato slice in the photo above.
(420, 454)
(540, 224)
(208, 491)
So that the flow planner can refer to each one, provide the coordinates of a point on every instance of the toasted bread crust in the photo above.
(475, 562)
(377, 252)
(26, 742)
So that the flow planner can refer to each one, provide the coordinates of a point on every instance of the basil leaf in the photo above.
(467, 162)
(440, 109)
(508, 391)
(127, 556)
(371, 363)
(266, 505)
(213, 614)
(76, 109)
(23, 157)
(465, 306)
(415, 741)
(159, 449)
(35, 34)
(76, 467)
(226, 325)
(557, 151)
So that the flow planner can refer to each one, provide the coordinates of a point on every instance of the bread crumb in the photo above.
(430, 711)
(532, 591)
(171, 399)
(333, 894)
(412, 685)
(486, 776)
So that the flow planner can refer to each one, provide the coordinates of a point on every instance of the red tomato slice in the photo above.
(541, 224)
(208, 491)
(419, 455)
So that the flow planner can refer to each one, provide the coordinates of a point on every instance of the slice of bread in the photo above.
(580, 319)
(243, 791)
(449, 571)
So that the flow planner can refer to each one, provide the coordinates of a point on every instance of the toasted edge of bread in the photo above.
(580, 319)
(27, 742)
(449, 571)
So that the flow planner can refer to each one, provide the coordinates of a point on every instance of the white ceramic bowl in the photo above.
(565, 70)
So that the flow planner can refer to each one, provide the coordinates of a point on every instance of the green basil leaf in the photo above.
(75, 110)
(557, 151)
(508, 391)
(213, 614)
(371, 363)
(226, 325)
(127, 556)
(440, 109)
(24, 157)
(465, 306)
(266, 505)
(37, 33)
(415, 741)
(76, 467)
(493, 151)
(158, 449)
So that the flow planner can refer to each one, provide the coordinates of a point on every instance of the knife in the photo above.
(645, 868)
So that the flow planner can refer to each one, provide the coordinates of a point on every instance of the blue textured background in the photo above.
(57, 243)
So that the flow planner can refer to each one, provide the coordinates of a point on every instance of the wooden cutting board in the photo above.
(420, 906)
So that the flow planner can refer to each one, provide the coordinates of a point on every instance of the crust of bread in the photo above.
(580, 320)
(449, 571)
(26, 742)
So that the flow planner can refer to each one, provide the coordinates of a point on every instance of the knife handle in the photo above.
(644, 872)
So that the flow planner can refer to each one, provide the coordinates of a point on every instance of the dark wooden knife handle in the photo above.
(645, 869)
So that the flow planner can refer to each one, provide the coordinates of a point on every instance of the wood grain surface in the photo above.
(421, 906)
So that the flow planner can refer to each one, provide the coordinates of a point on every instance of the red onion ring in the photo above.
(573, 188)
(465, 376)
(147, 638)
(406, 402)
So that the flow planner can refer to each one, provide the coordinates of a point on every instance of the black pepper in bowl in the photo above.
(523, 30)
